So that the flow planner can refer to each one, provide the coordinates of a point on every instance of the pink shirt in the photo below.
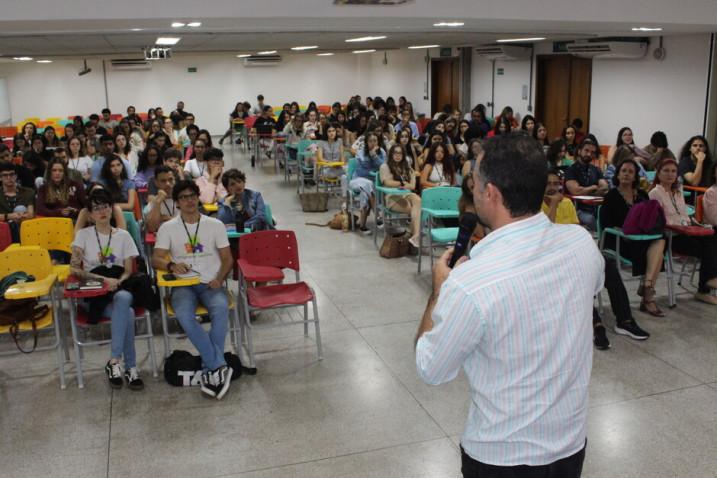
(209, 192)
(673, 203)
(710, 206)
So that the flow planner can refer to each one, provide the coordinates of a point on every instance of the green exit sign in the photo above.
(500, 71)
(192, 69)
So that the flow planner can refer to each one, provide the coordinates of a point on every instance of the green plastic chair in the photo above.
(650, 175)
(438, 203)
(387, 214)
(304, 171)
(268, 217)
(133, 229)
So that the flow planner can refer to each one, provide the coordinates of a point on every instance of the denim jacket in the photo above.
(367, 164)
(253, 208)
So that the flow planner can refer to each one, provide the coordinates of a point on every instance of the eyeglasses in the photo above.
(7, 175)
(100, 207)
(187, 197)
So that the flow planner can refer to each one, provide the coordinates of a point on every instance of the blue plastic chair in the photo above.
(389, 216)
(438, 203)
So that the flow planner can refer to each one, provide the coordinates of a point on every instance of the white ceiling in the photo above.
(49, 28)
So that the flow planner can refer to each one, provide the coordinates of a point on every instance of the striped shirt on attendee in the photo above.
(518, 318)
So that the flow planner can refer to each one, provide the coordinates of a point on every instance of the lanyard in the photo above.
(193, 241)
(171, 213)
(105, 252)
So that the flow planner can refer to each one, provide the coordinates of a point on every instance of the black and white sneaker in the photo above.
(114, 374)
(134, 381)
(600, 337)
(207, 385)
(365, 230)
(632, 330)
(222, 379)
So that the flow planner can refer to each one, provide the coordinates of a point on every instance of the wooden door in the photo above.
(563, 92)
(444, 83)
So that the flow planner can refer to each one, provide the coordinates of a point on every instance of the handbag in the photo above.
(646, 217)
(314, 202)
(395, 246)
(14, 312)
(182, 369)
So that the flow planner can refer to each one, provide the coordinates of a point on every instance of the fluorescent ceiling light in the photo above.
(380, 37)
(448, 24)
(194, 24)
(418, 47)
(267, 52)
(244, 55)
(136, 29)
(646, 29)
(178, 24)
(509, 40)
(167, 40)
(324, 54)
(363, 51)
(44, 61)
(301, 48)
(22, 58)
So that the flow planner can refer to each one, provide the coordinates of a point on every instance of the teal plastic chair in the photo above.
(304, 171)
(389, 217)
(64, 122)
(133, 229)
(438, 203)
(268, 217)
(650, 175)
(352, 203)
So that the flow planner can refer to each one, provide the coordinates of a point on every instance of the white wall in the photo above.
(647, 95)
(211, 93)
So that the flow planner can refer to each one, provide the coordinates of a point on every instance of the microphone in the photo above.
(465, 231)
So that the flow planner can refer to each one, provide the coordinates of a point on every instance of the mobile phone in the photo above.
(170, 277)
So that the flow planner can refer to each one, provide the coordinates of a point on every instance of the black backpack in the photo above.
(182, 369)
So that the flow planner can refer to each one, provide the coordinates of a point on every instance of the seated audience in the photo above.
(107, 253)
(195, 167)
(407, 123)
(211, 189)
(107, 151)
(151, 158)
(51, 139)
(557, 207)
(668, 193)
(61, 154)
(161, 207)
(115, 179)
(557, 155)
(625, 138)
(502, 126)
(204, 250)
(84, 218)
(568, 135)
(77, 160)
(695, 162)
(241, 205)
(124, 150)
(107, 122)
(623, 153)
(369, 160)
(16, 202)
(59, 196)
(507, 114)
(396, 172)
(331, 150)
(24, 176)
(312, 128)
(657, 150)
(438, 169)
(646, 256)
(172, 159)
(528, 124)
(584, 179)
(474, 151)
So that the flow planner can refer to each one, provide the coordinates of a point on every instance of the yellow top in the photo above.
(565, 214)
(211, 207)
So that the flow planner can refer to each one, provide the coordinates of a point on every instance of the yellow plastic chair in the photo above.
(51, 233)
(36, 262)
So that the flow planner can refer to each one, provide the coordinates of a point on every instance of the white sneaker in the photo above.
(222, 380)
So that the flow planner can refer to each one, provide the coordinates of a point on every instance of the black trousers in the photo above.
(704, 248)
(570, 467)
(619, 300)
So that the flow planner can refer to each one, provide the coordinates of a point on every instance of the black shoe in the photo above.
(222, 380)
(253, 161)
(134, 382)
(379, 223)
(632, 330)
(114, 374)
(600, 337)
(207, 385)
(365, 230)
(221, 141)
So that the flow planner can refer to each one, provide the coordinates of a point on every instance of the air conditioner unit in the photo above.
(608, 50)
(262, 60)
(504, 52)
(130, 64)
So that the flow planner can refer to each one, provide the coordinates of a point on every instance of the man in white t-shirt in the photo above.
(161, 207)
(193, 242)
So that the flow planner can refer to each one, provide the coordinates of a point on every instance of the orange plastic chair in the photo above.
(325, 109)
(700, 208)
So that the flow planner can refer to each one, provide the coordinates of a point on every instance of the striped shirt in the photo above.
(518, 317)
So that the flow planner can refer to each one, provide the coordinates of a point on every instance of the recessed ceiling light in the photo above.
(363, 51)
(646, 29)
(44, 61)
(194, 24)
(267, 52)
(380, 37)
(244, 55)
(22, 58)
(178, 24)
(301, 48)
(509, 40)
(136, 29)
(417, 47)
(448, 24)
(324, 54)
(167, 40)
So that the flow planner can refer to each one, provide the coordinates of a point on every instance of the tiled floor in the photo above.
(362, 411)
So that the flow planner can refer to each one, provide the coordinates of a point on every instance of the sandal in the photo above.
(648, 303)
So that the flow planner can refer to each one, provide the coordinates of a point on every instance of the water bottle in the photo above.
(238, 208)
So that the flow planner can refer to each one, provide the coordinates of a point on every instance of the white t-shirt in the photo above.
(195, 168)
(166, 208)
(115, 249)
(82, 164)
(203, 254)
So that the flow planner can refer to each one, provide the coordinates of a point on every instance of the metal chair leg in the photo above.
(319, 347)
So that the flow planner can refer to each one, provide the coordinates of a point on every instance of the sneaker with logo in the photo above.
(207, 385)
(134, 381)
(600, 337)
(632, 330)
(114, 374)
(222, 379)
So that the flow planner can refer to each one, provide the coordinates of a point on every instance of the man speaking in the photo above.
(518, 317)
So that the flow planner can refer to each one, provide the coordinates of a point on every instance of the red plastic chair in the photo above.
(5, 236)
(261, 252)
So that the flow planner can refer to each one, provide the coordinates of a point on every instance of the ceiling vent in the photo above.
(262, 60)
(608, 50)
(130, 64)
(504, 52)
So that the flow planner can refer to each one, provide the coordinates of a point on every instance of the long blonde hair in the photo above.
(57, 192)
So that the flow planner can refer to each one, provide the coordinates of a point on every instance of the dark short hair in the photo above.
(99, 196)
(106, 137)
(658, 139)
(266, 108)
(162, 169)
(515, 165)
(232, 175)
(94, 116)
(183, 185)
(260, 98)
(59, 151)
(214, 153)
(618, 167)
(578, 123)
(7, 167)
(551, 171)
(172, 153)
(106, 110)
(588, 141)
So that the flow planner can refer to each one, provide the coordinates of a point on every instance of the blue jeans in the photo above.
(587, 219)
(122, 315)
(210, 345)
